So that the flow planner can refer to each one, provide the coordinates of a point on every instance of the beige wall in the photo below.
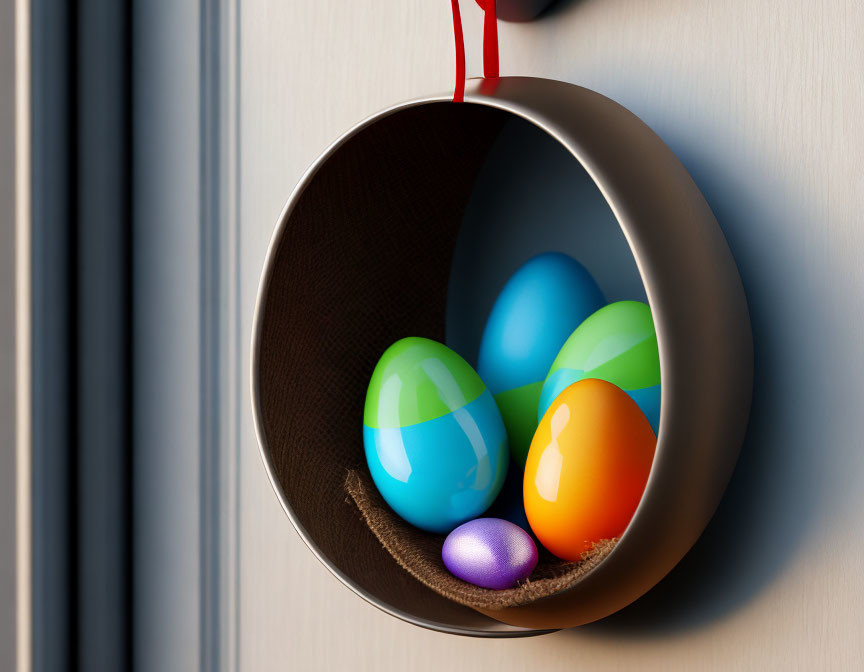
(762, 101)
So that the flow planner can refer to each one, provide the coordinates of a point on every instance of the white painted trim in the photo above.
(231, 378)
(23, 478)
(220, 338)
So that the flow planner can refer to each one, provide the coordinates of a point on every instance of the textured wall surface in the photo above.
(761, 101)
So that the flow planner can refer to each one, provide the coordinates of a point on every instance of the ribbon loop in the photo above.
(459, 88)
(490, 45)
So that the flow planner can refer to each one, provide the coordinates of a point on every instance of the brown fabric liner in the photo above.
(419, 553)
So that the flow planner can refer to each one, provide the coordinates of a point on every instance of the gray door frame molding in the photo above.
(78, 229)
(153, 209)
(186, 387)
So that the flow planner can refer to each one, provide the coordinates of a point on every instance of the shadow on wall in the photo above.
(552, 8)
(769, 505)
(556, 7)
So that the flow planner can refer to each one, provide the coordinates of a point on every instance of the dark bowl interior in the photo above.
(363, 260)
(431, 200)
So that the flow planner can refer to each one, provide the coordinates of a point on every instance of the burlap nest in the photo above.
(419, 553)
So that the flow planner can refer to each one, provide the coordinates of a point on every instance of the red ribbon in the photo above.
(490, 39)
(459, 89)
(490, 45)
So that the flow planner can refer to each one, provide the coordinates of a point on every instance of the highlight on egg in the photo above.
(434, 439)
(587, 467)
(617, 344)
(490, 553)
(536, 311)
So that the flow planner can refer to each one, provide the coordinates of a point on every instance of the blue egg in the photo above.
(540, 306)
(433, 436)
(510, 505)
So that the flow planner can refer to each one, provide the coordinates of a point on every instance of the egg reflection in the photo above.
(434, 440)
(587, 467)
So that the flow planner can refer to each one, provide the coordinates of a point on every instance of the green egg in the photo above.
(418, 380)
(617, 344)
(519, 411)
(435, 443)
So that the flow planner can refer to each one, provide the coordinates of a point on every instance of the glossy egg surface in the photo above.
(509, 505)
(490, 552)
(536, 311)
(617, 344)
(587, 467)
(434, 440)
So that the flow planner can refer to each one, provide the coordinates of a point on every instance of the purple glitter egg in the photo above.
(490, 552)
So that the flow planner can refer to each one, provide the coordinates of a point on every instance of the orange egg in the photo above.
(587, 467)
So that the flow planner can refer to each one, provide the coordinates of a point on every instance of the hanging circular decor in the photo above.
(362, 256)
